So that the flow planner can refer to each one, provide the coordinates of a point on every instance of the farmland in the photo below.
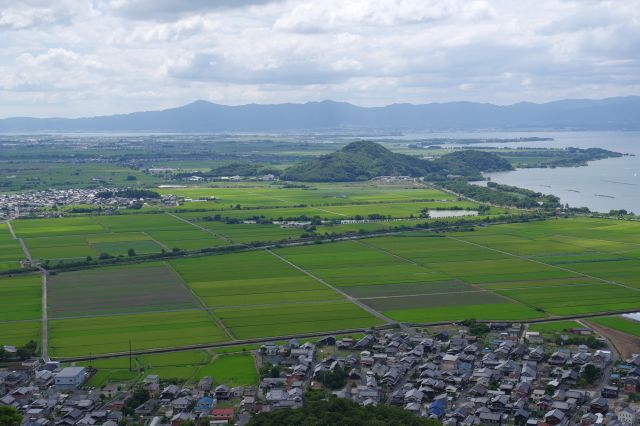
(546, 269)
(107, 334)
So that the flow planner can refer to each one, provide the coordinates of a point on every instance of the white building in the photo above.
(628, 416)
(69, 377)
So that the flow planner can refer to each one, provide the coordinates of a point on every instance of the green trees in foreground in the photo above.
(322, 409)
(9, 416)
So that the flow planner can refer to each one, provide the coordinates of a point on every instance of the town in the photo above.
(467, 374)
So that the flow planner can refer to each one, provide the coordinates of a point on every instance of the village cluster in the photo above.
(45, 203)
(506, 376)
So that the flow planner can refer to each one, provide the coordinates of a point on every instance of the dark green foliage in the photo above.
(360, 160)
(129, 193)
(22, 353)
(590, 373)
(243, 169)
(476, 328)
(470, 162)
(503, 195)
(335, 379)
(589, 341)
(140, 396)
(9, 416)
(320, 409)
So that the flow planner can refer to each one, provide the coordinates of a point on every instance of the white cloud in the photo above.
(74, 57)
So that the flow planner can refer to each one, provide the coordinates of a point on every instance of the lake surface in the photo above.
(602, 185)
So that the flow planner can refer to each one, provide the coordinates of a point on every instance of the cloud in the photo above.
(172, 9)
(76, 58)
(16, 16)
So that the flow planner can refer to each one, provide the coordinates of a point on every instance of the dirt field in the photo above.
(625, 343)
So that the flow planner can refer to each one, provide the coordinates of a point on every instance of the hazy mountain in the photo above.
(202, 116)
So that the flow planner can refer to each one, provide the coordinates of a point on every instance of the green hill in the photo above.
(360, 160)
(470, 163)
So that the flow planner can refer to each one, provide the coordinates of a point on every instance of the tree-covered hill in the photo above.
(320, 410)
(360, 160)
(364, 160)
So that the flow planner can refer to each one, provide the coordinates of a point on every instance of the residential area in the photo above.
(466, 374)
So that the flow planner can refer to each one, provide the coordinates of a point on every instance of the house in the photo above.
(610, 392)
(204, 405)
(218, 414)
(223, 392)
(554, 417)
(181, 404)
(628, 416)
(599, 405)
(183, 419)
(69, 378)
(205, 384)
(489, 418)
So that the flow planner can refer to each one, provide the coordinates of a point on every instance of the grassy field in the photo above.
(107, 334)
(19, 332)
(232, 370)
(10, 250)
(20, 298)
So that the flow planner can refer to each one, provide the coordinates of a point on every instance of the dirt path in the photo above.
(24, 247)
(625, 344)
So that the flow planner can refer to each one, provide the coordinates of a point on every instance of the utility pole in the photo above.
(130, 366)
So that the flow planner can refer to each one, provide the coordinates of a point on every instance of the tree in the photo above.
(9, 416)
(591, 373)
(131, 252)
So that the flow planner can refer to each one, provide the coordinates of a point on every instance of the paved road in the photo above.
(24, 247)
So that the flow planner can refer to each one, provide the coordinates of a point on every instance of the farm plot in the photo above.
(575, 299)
(111, 334)
(20, 298)
(141, 288)
(247, 233)
(284, 320)
(10, 250)
(252, 278)
(18, 333)
(30, 228)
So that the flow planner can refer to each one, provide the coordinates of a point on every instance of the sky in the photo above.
(70, 58)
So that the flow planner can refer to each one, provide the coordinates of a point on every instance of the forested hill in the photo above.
(364, 160)
(360, 160)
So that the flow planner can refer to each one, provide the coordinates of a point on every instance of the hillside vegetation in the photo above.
(364, 160)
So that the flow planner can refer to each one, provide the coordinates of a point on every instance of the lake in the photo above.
(601, 186)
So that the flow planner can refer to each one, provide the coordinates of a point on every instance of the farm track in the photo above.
(322, 334)
(350, 298)
(44, 333)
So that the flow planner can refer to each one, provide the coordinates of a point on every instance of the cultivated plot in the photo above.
(20, 298)
(110, 334)
(104, 291)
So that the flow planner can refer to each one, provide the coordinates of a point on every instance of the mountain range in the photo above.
(621, 113)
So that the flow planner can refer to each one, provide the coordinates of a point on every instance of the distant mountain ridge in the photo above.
(202, 116)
